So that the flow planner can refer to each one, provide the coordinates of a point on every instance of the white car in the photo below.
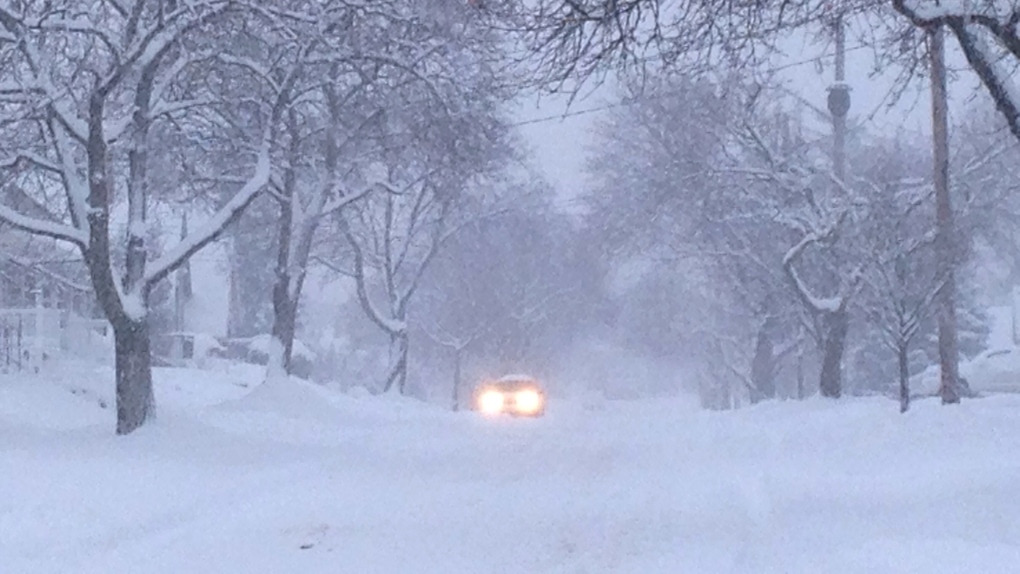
(516, 395)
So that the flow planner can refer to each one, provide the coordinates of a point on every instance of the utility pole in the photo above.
(834, 322)
(839, 102)
(945, 238)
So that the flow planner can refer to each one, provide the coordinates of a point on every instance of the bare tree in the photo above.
(457, 340)
(409, 229)
(575, 40)
(901, 282)
(440, 133)
(357, 86)
(453, 308)
(907, 304)
(669, 193)
(392, 239)
(310, 183)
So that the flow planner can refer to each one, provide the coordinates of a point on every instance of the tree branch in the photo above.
(217, 224)
(44, 228)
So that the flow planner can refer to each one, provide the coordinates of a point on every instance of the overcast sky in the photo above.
(560, 144)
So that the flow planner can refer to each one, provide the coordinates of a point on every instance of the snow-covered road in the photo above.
(299, 480)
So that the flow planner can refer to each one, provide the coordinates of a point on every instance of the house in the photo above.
(46, 306)
(48, 309)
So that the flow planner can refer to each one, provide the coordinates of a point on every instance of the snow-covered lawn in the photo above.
(993, 371)
(298, 479)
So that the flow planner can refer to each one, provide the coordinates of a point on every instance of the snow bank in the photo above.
(31, 404)
(68, 395)
(263, 343)
(993, 371)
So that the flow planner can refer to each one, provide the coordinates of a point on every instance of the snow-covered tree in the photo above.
(988, 35)
(901, 282)
(743, 208)
(790, 179)
(317, 172)
(453, 315)
(669, 195)
(88, 86)
(438, 134)
(392, 238)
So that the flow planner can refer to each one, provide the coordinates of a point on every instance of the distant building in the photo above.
(47, 309)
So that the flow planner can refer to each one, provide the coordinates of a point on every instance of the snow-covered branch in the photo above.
(456, 342)
(343, 199)
(44, 228)
(815, 303)
(990, 68)
(263, 72)
(75, 187)
(80, 25)
(218, 223)
(53, 98)
(31, 158)
(390, 325)
(149, 46)
(164, 108)
(986, 31)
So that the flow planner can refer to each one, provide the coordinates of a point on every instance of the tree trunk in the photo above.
(763, 367)
(831, 380)
(135, 400)
(1016, 319)
(397, 376)
(284, 324)
(294, 244)
(235, 312)
(904, 364)
(456, 379)
(801, 394)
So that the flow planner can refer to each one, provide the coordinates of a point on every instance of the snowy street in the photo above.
(718, 287)
(305, 480)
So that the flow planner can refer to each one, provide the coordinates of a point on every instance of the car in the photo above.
(516, 395)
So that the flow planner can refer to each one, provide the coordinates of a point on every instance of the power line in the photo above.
(625, 103)
(574, 113)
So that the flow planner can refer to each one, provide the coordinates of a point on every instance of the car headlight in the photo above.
(528, 401)
(491, 402)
